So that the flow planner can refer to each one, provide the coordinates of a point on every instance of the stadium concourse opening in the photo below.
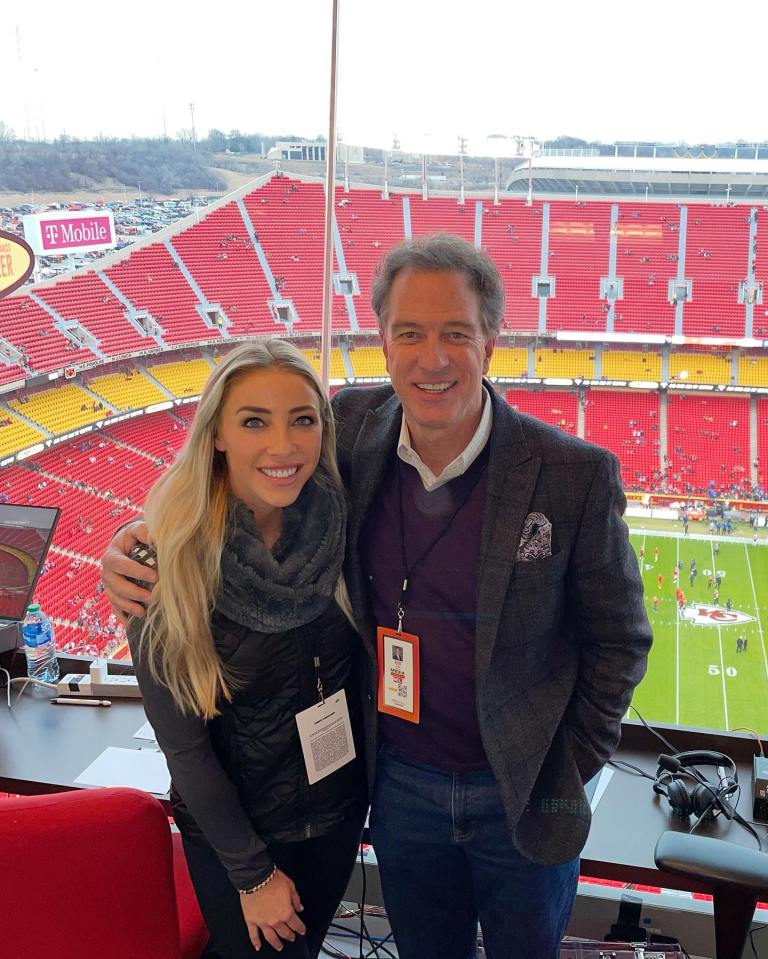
(638, 325)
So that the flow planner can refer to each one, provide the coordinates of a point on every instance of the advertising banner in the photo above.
(17, 262)
(57, 232)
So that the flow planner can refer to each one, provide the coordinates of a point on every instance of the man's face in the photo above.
(436, 351)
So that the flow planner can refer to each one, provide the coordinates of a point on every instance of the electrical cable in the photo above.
(752, 939)
(693, 773)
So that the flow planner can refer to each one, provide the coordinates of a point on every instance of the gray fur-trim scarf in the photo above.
(290, 586)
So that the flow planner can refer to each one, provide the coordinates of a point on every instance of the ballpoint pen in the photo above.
(81, 702)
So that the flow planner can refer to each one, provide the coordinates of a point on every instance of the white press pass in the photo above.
(326, 736)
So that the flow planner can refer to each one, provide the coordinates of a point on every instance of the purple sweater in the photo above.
(439, 607)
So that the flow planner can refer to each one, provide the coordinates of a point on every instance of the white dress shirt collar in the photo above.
(463, 461)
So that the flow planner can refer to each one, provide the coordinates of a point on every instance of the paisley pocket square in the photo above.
(536, 540)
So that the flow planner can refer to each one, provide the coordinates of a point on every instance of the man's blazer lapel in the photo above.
(512, 475)
(374, 447)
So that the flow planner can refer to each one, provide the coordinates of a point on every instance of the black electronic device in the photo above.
(689, 792)
(25, 537)
(760, 788)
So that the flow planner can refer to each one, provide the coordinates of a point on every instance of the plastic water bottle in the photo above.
(39, 647)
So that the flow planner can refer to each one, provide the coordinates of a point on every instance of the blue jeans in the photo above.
(446, 859)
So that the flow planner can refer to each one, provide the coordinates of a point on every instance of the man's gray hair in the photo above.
(442, 253)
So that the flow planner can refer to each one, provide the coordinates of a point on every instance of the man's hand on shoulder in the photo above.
(125, 597)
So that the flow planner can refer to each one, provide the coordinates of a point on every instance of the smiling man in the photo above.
(492, 549)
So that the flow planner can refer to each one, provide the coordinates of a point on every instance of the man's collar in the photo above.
(463, 461)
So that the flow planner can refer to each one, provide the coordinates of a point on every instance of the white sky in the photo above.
(609, 69)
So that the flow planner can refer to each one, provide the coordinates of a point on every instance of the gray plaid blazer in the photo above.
(562, 635)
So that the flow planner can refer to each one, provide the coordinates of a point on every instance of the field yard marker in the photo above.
(757, 608)
(720, 643)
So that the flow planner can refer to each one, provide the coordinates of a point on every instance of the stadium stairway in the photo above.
(133, 449)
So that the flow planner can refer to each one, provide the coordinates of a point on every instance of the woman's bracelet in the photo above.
(270, 877)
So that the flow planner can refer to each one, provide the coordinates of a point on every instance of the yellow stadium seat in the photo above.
(61, 409)
(508, 362)
(564, 363)
(338, 370)
(133, 392)
(368, 361)
(699, 368)
(753, 371)
(182, 379)
(627, 365)
(17, 435)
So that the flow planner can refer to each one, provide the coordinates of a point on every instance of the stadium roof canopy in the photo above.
(662, 177)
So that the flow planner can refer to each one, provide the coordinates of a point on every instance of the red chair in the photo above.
(94, 873)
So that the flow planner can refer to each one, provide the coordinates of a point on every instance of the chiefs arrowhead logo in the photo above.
(702, 615)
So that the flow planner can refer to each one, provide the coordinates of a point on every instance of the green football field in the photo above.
(695, 675)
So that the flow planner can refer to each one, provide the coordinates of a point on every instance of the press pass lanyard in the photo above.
(409, 570)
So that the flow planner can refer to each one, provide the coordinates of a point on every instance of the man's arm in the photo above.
(605, 604)
(125, 597)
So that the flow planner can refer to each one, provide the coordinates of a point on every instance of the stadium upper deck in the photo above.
(252, 265)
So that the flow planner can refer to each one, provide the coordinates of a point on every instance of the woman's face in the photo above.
(271, 433)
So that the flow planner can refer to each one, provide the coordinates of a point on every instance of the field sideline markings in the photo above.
(757, 608)
(720, 644)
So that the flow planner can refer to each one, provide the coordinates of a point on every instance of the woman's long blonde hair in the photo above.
(186, 512)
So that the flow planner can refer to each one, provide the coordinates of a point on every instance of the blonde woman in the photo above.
(243, 632)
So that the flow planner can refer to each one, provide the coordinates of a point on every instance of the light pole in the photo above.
(141, 198)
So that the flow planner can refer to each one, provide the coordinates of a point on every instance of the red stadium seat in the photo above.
(95, 873)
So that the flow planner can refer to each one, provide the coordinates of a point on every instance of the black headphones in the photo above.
(704, 800)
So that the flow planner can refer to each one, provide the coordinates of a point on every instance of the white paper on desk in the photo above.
(140, 768)
(595, 790)
(146, 732)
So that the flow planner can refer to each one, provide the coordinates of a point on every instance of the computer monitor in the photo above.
(25, 536)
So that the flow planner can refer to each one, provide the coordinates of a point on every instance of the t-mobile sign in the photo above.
(50, 234)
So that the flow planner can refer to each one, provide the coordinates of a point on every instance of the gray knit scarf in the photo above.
(270, 591)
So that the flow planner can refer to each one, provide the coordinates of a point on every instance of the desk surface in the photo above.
(43, 748)
(630, 817)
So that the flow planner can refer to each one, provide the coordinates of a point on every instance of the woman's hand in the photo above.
(272, 912)
(124, 596)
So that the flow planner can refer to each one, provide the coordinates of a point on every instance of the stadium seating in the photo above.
(61, 409)
(513, 240)
(338, 370)
(368, 361)
(444, 215)
(15, 434)
(287, 216)
(646, 257)
(563, 363)
(508, 362)
(578, 256)
(628, 425)
(127, 391)
(368, 225)
(30, 329)
(625, 365)
(753, 371)
(152, 281)
(708, 444)
(219, 254)
(700, 368)
(183, 378)
(717, 257)
(88, 300)
(762, 442)
(553, 407)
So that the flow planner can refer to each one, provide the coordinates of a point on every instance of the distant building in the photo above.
(314, 150)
